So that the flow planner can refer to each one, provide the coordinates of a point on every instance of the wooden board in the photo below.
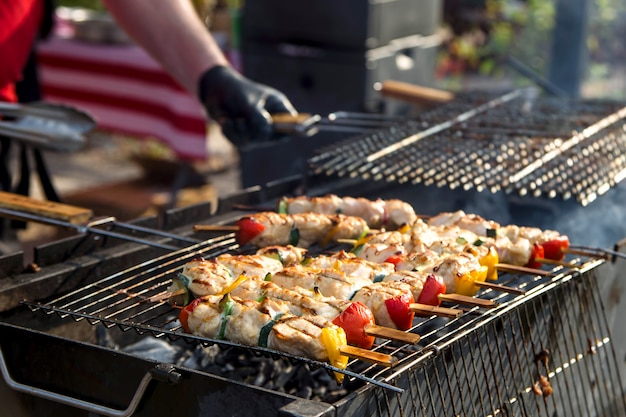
(47, 209)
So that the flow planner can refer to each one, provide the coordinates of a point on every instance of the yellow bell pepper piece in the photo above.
(405, 228)
(465, 284)
(490, 260)
(241, 278)
(333, 338)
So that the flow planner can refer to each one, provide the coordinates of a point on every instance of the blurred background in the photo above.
(326, 56)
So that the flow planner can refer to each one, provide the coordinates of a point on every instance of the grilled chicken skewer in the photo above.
(303, 230)
(429, 274)
(460, 271)
(549, 243)
(388, 214)
(426, 287)
(423, 242)
(445, 239)
(204, 277)
(268, 228)
(269, 324)
(392, 214)
(390, 303)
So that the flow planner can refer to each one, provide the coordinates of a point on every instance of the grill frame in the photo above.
(81, 260)
(431, 378)
(372, 399)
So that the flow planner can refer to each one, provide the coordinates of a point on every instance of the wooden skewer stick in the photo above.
(499, 287)
(392, 334)
(464, 299)
(246, 207)
(215, 228)
(428, 310)
(590, 253)
(522, 269)
(347, 241)
(555, 262)
(166, 295)
(369, 356)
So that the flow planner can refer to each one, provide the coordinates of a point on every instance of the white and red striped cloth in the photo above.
(126, 91)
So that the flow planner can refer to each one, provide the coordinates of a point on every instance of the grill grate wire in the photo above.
(516, 143)
(482, 363)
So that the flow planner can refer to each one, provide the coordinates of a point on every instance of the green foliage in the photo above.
(523, 30)
(87, 4)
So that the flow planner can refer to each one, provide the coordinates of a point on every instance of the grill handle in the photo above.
(160, 372)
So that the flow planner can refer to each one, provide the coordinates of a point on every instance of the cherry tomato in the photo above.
(353, 321)
(555, 248)
(536, 253)
(430, 291)
(183, 317)
(400, 311)
(248, 230)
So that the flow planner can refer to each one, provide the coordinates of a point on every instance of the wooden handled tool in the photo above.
(300, 123)
(47, 209)
(414, 94)
(23, 208)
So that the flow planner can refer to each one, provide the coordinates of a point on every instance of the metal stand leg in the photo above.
(569, 51)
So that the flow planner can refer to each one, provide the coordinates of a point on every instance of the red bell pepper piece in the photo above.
(353, 321)
(536, 254)
(394, 259)
(430, 291)
(399, 309)
(555, 248)
(183, 316)
(247, 230)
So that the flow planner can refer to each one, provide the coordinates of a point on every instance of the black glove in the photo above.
(241, 106)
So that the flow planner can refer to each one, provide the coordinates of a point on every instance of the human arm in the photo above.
(172, 33)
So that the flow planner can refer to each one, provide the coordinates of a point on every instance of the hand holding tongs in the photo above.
(355, 122)
(343, 121)
(54, 127)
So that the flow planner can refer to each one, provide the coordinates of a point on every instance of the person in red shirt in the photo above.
(19, 24)
(172, 32)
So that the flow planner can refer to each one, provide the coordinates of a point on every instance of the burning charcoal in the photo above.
(32, 267)
(542, 387)
(285, 376)
(263, 374)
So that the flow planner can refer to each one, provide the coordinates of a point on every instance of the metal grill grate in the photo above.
(515, 143)
(482, 363)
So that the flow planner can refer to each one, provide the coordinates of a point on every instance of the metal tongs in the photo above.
(355, 122)
(306, 124)
(48, 126)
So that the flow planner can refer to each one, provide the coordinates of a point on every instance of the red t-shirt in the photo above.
(19, 21)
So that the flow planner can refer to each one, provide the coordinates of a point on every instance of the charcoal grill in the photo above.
(483, 363)
(101, 293)
(515, 142)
